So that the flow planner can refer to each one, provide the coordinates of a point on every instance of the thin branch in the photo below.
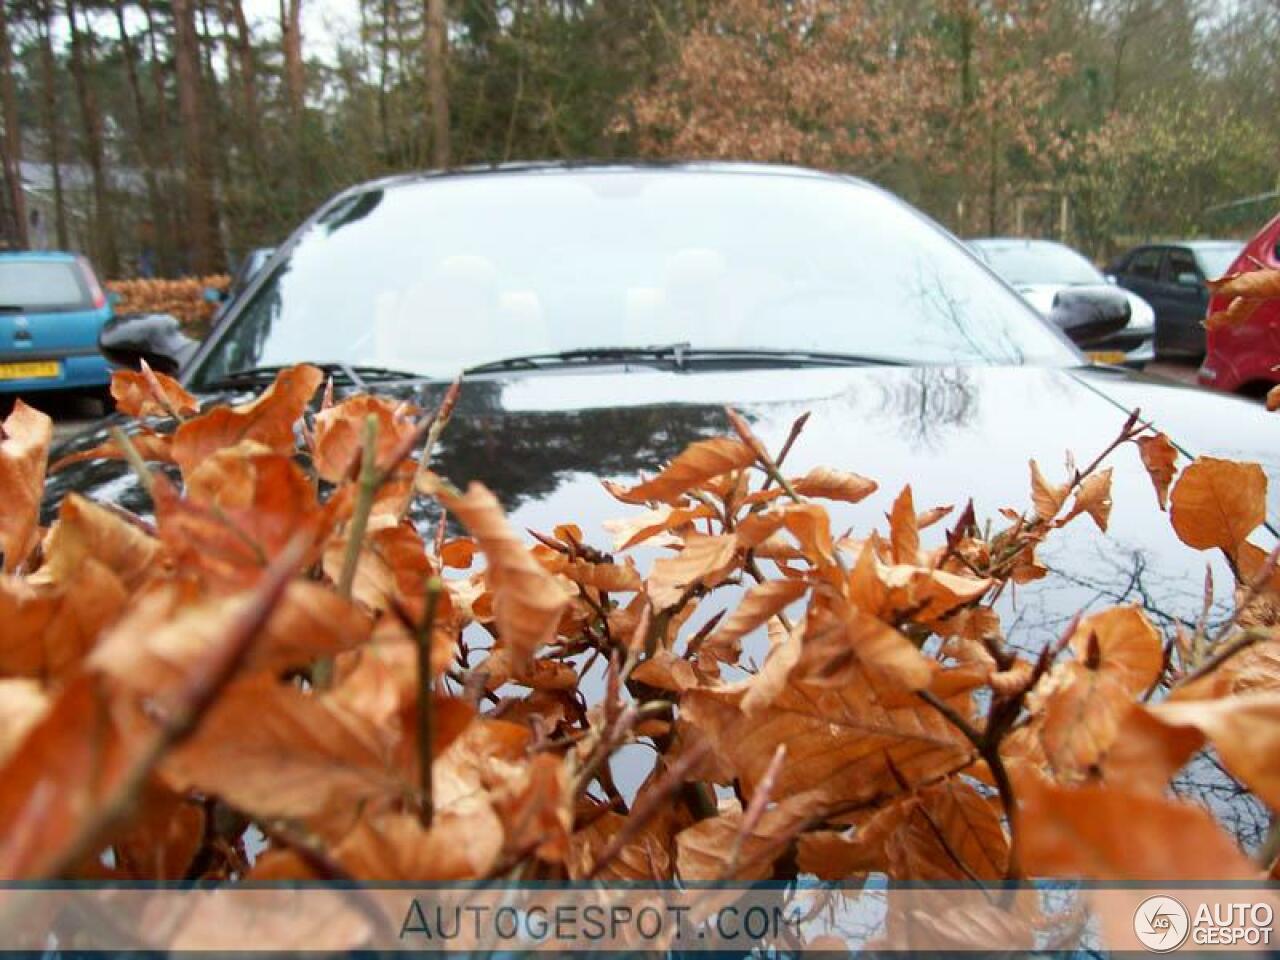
(426, 702)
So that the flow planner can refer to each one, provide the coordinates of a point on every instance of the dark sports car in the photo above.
(604, 316)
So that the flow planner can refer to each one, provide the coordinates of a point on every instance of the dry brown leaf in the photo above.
(168, 634)
(628, 532)
(1093, 498)
(85, 531)
(853, 640)
(648, 856)
(1081, 719)
(1125, 644)
(1046, 497)
(70, 761)
(704, 850)
(527, 601)
(1253, 285)
(25, 436)
(702, 561)
(339, 435)
(1218, 503)
(834, 485)
(392, 569)
(1245, 732)
(395, 847)
(275, 752)
(761, 602)
(151, 446)
(161, 839)
(267, 420)
(1102, 833)
(1238, 311)
(950, 833)
(698, 463)
(1159, 456)
(23, 703)
(840, 742)
(150, 394)
(47, 631)
(904, 533)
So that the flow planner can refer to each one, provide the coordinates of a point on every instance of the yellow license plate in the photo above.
(1106, 356)
(31, 370)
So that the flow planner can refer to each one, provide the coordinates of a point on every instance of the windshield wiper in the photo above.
(586, 356)
(357, 375)
(682, 355)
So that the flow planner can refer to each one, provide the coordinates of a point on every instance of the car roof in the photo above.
(38, 256)
(570, 167)
(1015, 242)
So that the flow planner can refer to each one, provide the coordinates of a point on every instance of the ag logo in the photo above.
(1161, 923)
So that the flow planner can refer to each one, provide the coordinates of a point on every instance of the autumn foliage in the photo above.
(183, 298)
(278, 647)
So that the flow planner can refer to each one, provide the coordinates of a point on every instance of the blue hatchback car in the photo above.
(51, 310)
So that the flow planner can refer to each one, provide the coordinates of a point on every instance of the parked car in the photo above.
(606, 315)
(1171, 277)
(1073, 294)
(1244, 357)
(253, 261)
(52, 309)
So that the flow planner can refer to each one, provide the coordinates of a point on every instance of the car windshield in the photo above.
(1023, 264)
(1216, 260)
(437, 275)
(37, 286)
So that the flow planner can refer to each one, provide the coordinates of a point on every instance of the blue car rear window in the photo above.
(33, 287)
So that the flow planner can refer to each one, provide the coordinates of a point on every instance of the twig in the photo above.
(134, 458)
(989, 749)
(157, 391)
(648, 804)
(439, 420)
(194, 700)
(1224, 653)
(755, 810)
(426, 702)
(765, 461)
(364, 505)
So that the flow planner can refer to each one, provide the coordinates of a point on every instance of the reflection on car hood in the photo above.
(543, 442)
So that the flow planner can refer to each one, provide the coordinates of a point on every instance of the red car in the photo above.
(1243, 358)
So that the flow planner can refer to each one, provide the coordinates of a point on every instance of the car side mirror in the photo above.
(154, 337)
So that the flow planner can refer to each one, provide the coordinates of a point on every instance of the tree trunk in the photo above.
(52, 120)
(202, 233)
(437, 51)
(146, 140)
(175, 196)
(243, 45)
(12, 136)
(291, 40)
(106, 250)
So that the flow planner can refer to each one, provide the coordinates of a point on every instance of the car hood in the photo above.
(543, 443)
(1041, 295)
